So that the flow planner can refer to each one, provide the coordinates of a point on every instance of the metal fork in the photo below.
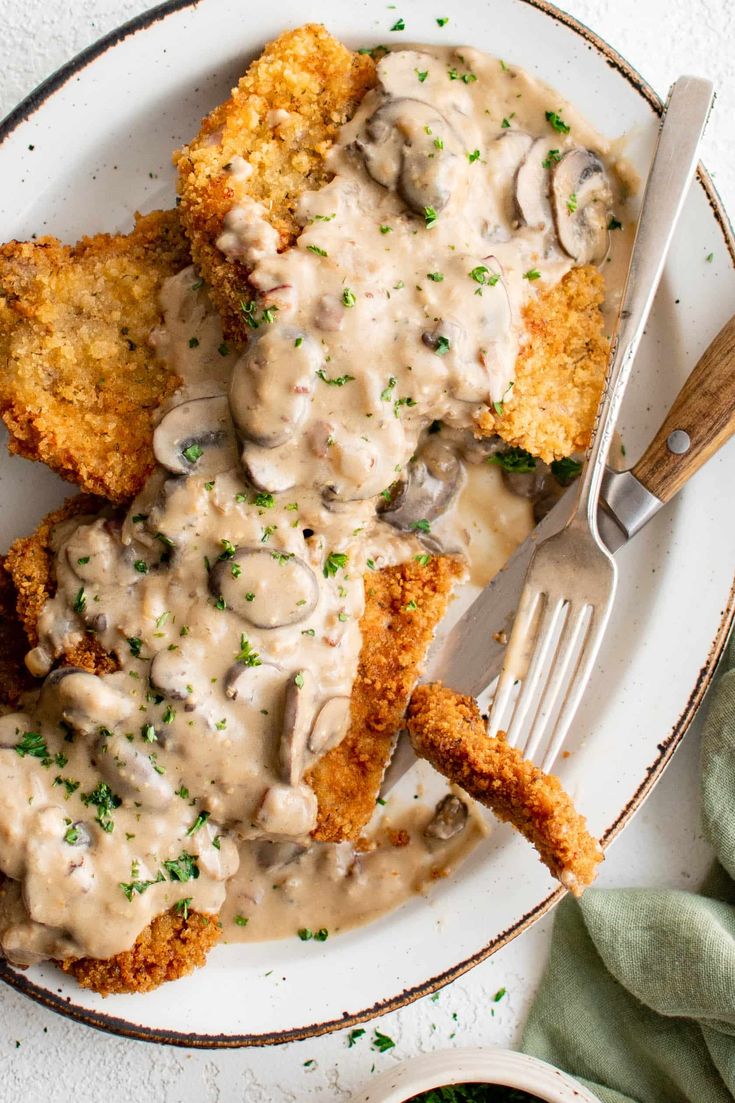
(570, 585)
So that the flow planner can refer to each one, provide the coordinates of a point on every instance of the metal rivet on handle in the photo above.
(678, 442)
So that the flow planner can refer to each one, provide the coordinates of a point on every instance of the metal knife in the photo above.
(701, 421)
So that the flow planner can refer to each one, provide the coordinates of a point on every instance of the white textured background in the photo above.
(45, 1057)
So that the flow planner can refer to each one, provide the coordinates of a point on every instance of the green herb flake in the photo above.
(399, 25)
(441, 22)
(532, 274)
(430, 217)
(349, 298)
(499, 995)
(572, 203)
(565, 470)
(335, 561)
(421, 74)
(442, 346)
(199, 822)
(423, 560)
(193, 342)
(382, 1042)
(321, 935)
(246, 656)
(337, 381)
(183, 868)
(555, 120)
(34, 745)
(105, 801)
(514, 460)
(71, 835)
(421, 526)
(435, 277)
(473, 156)
(241, 921)
(482, 275)
(319, 252)
(181, 907)
(80, 601)
(305, 934)
(551, 158)
(193, 452)
(386, 229)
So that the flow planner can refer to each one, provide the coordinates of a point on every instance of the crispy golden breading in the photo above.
(79, 379)
(448, 730)
(14, 678)
(30, 565)
(403, 606)
(282, 118)
(168, 948)
(559, 371)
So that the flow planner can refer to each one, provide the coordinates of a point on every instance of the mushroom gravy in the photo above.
(230, 593)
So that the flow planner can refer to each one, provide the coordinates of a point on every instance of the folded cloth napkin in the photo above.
(638, 1000)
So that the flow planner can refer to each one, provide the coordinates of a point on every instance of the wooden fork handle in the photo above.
(701, 420)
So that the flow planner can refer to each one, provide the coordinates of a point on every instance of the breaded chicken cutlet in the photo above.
(448, 731)
(79, 379)
(282, 118)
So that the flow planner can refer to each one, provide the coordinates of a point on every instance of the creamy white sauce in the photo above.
(232, 590)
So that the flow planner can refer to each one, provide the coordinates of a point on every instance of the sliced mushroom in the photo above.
(330, 726)
(131, 774)
(276, 855)
(245, 682)
(430, 485)
(84, 701)
(197, 437)
(298, 717)
(582, 202)
(93, 551)
(265, 470)
(268, 589)
(287, 810)
(533, 207)
(409, 147)
(80, 834)
(271, 386)
(450, 817)
(170, 674)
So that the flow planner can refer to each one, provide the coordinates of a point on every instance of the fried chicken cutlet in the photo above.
(282, 118)
(448, 731)
(79, 380)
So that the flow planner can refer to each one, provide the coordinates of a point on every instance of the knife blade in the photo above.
(468, 656)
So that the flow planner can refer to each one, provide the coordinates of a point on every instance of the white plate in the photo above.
(91, 146)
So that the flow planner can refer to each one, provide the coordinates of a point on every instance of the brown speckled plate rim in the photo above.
(115, 1025)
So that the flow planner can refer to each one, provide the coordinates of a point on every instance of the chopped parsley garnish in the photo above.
(248, 312)
(399, 25)
(572, 203)
(555, 120)
(371, 564)
(442, 346)
(499, 995)
(220, 603)
(482, 275)
(505, 124)
(193, 342)
(228, 549)
(183, 868)
(199, 822)
(149, 733)
(551, 158)
(169, 715)
(441, 22)
(354, 1035)
(403, 402)
(316, 249)
(197, 284)
(422, 74)
(565, 470)
(246, 656)
(181, 907)
(282, 557)
(221, 725)
(34, 745)
(473, 156)
(516, 460)
(337, 381)
(532, 274)
(382, 1042)
(193, 452)
(421, 526)
(298, 342)
(349, 298)
(335, 561)
(267, 533)
(430, 217)
(223, 350)
(105, 801)
(299, 680)
(71, 835)
(85, 558)
(435, 277)
(321, 935)
(386, 229)
(305, 934)
(386, 394)
(137, 888)
(69, 784)
(80, 601)
(411, 606)
(499, 406)
(308, 632)
(423, 560)
(241, 921)
(269, 315)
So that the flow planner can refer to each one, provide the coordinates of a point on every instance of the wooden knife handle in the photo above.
(704, 411)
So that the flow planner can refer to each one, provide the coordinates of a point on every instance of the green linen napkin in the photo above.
(638, 1000)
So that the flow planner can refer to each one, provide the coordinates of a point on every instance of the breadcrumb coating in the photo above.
(403, 606)
(30, 564)
(282, 118)
(560, 371)
(168, 948)
(448, 731)
(79, 379)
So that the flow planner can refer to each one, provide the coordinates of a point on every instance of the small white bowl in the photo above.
(474, 1066)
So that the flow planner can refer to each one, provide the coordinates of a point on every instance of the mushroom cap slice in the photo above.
(430, 485)
(272, 384)
(131, 775)
(581, 202)
(450, 817)
(298, 717)
(533, 207)
(246, 681)
(197, 437)
(289, 810)
(268, 589)
(264, 468)
(330, 726)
